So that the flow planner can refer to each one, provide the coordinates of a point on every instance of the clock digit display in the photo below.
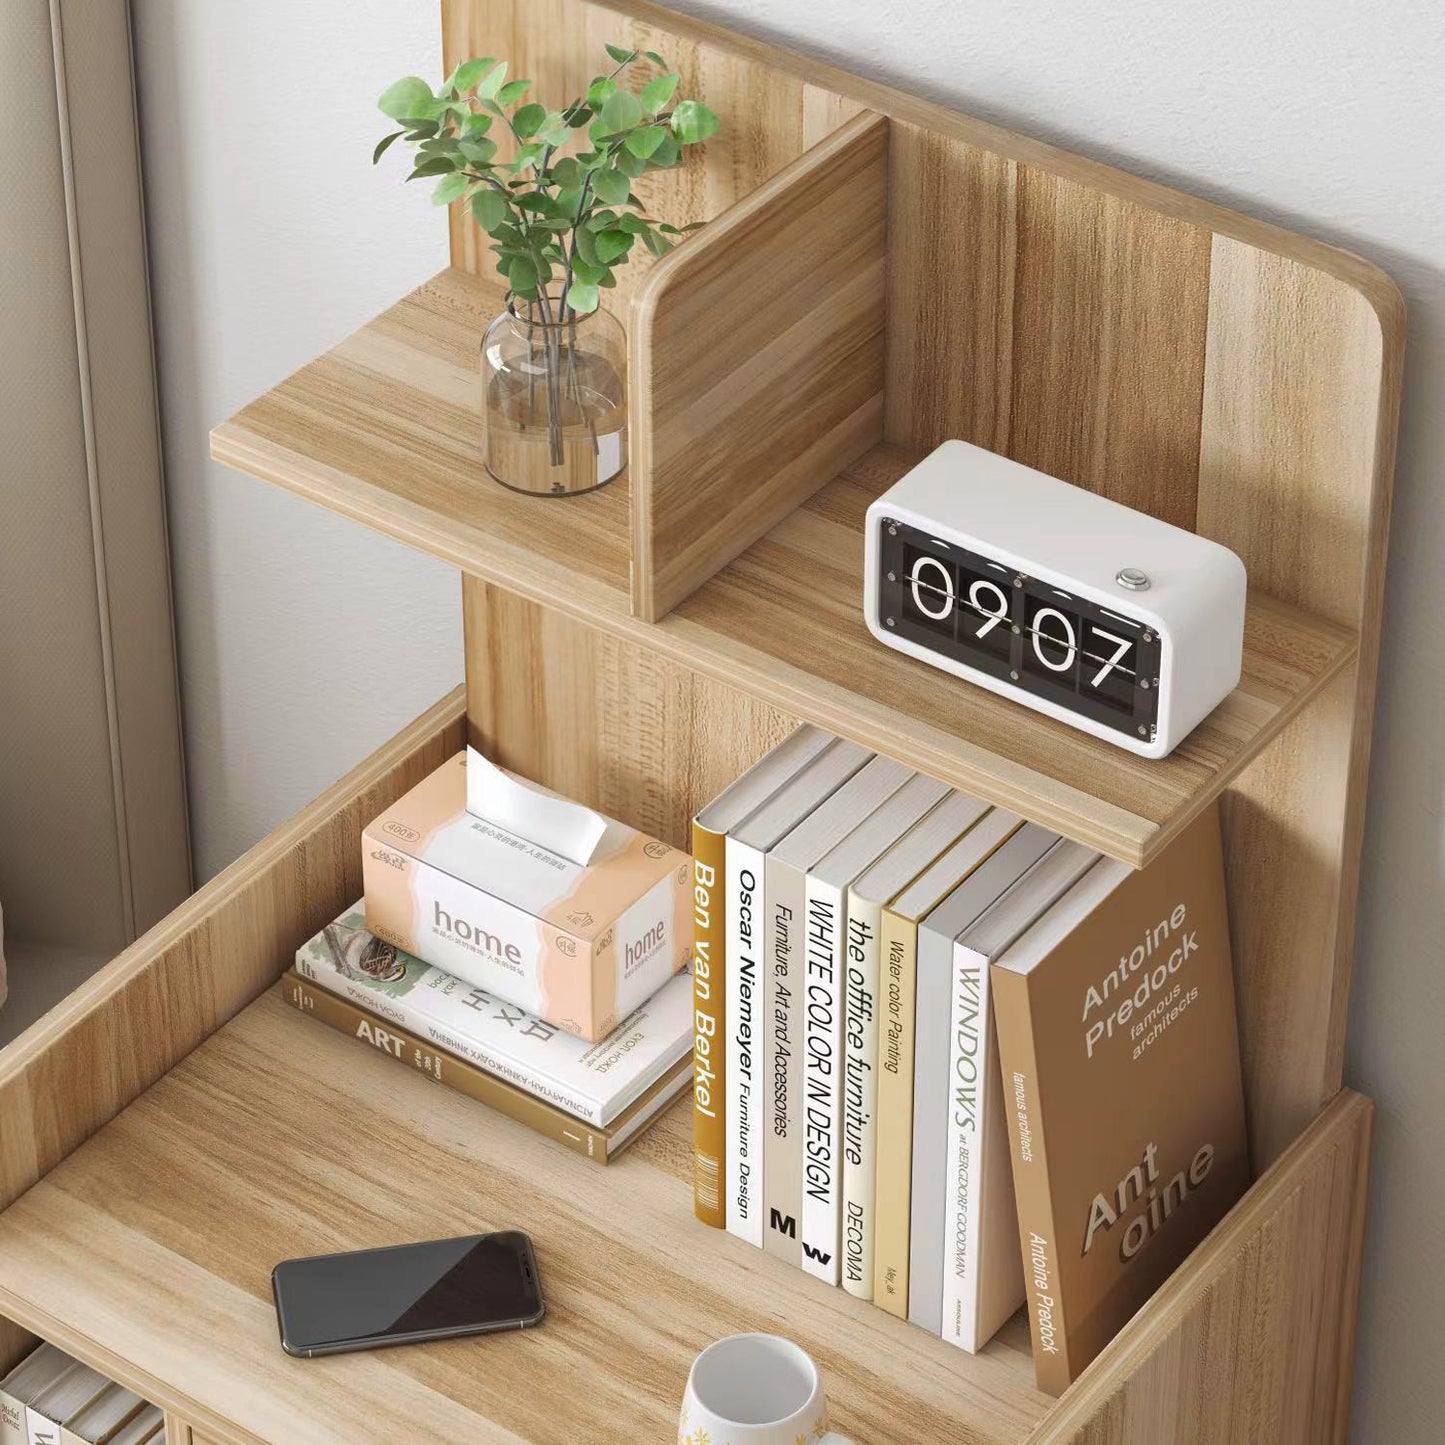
(967, 607)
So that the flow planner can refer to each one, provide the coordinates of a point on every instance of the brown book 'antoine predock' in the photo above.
(1119, 1048)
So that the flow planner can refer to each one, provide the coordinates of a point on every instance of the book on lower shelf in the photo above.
(875, 928)
(594, 1098)
(1120, 1059)
(51, 1398)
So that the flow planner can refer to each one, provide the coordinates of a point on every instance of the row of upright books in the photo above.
(519, 949)
(50, 1398)
(953, 1062)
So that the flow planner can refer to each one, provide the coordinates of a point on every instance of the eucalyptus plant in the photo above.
(555, 195)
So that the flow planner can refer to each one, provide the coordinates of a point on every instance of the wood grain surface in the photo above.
(757, 363)
(782, 622)
(603, 720)
(150, 1249)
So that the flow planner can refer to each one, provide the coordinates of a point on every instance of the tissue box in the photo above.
(579, 945)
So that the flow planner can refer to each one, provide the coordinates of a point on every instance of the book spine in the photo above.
(345, 1017)
(39, 1430)
(12, 1420)
(745, 1011)
(860, 1094)
(930, 1130)
(824, 907)
(897, 943)
(783, 1062)
(964, 1182)
(709, 971)
(404, 1013)
(1018, 1070)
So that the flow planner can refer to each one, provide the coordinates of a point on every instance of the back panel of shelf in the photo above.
(1223, 374)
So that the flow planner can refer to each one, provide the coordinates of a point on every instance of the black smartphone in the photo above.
(408, 1293)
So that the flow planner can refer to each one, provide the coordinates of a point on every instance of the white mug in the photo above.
(755, 1390)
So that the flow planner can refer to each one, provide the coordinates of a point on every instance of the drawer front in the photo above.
(1252, 1339)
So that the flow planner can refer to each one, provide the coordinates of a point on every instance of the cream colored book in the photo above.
(898, 946)
(147, 1428)
(745, 1004)
(785, 872)
(98, 1422)
(908, 857)
(983, 1280)
(45, 1415)
(832, 940)
(40, 1369)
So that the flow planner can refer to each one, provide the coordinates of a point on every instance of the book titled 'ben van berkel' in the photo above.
(1120, 1059)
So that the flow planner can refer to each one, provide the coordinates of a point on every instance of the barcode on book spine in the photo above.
(706, 1181)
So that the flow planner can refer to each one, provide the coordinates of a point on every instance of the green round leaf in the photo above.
(582, 296)
(692, 122)
(599, 90)
(491, 82)
(513, 91)
(476, 125)
(407, 97)
(588, 271)
(432, 166)
(478, 152)
(642, 143)
(489, 209)
(448, 189)
(528, 121)
(620, 112)
(586, 244)
(611, 186)
(469, 72)
(657, 93)
(611, 245)
(621, 56)
(522, 274)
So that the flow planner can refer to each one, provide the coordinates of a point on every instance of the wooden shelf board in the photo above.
(150, 1250)
(385, 428)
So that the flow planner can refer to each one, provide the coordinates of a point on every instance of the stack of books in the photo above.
(953, 1062)
(51, 1399)
(523, 951)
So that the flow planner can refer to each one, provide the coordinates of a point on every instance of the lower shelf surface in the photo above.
(150, 1251)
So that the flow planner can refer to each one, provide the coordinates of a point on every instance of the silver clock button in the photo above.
(1133, 578)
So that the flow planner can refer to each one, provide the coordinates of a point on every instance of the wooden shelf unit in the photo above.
(146, 1243)
(386, 428)
(878, 274)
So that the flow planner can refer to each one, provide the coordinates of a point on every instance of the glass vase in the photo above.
(554, 399)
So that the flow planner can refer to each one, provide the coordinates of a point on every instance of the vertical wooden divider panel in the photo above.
(602, 720)
(757, 363)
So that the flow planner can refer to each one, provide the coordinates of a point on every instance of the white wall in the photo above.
(305, 640)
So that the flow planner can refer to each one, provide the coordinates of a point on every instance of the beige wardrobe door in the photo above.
(93, 838)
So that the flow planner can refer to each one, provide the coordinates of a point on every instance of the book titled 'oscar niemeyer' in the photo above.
(593, 1082)
(1120, 1068)
(709, 834)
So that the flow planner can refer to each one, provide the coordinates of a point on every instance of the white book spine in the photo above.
(825, 909)
(860, 1093)
(12, 1420)
(964, 1182)
(744, 1011)
(40, 1430)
